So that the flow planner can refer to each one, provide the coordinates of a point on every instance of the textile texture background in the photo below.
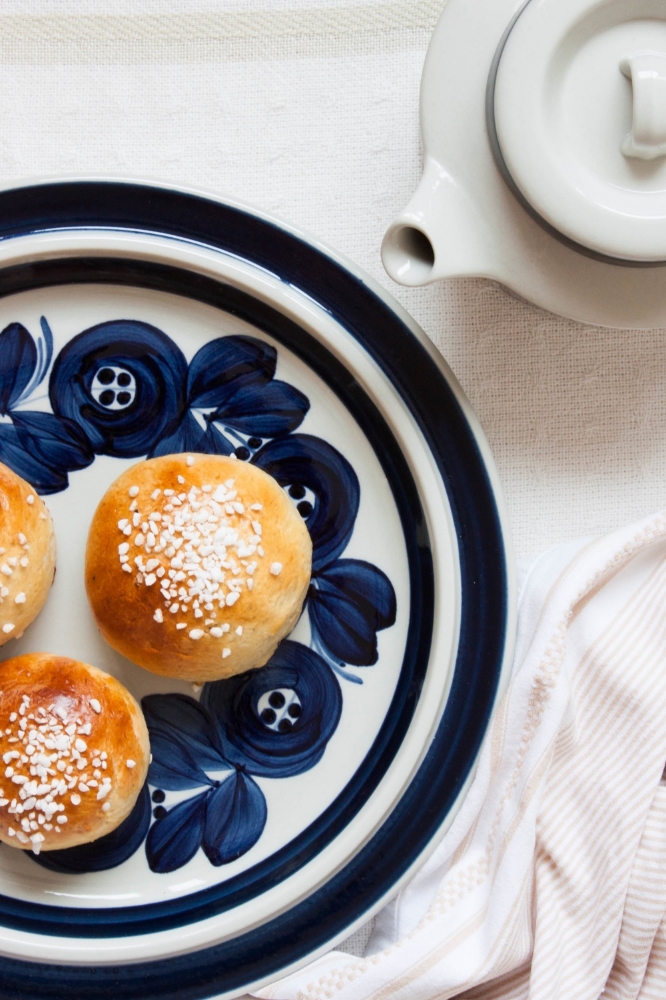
(550, 883)
(308, 109)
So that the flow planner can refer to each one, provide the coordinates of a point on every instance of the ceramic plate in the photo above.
(282, 806)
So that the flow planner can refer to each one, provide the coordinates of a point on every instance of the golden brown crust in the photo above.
(84, 727)
(127, 605)
(27, 554)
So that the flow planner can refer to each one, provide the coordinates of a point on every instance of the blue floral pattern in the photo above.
(123, 384)
(232, 392)
(124, 388)
(272, 723)
(276, 722)
(41, 447)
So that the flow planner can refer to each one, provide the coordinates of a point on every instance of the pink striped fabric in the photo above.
(551, 882)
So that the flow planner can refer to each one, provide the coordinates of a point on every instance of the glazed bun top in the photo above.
(75, 752)
(27, 554)
(197, 565)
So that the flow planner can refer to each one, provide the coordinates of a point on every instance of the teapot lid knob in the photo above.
(577, 116)
(647, 72)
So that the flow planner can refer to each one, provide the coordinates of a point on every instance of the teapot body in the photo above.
(467, 217)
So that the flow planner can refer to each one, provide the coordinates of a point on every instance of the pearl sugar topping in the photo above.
(52, 767)
(11, 567)
(198, 547)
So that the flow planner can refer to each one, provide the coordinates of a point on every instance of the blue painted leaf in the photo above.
(44, 345)
(56, 441)
(18, 360)
(44, 478)
(183, 742)
(235, 819)
(173, 767)
(124, 383)
(186, 719)
(348, 603)
(46, 354)
(264, 410)
(174, 840)
(303, 460)
(187, 436)
(107, 852)
(250, 742)
(225, 365)
(214, 442)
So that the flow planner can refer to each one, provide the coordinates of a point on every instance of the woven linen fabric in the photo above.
(308, 109)
(551, 882)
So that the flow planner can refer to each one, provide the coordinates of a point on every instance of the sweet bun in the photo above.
(27, 554)
(197, 565)
(75, 752)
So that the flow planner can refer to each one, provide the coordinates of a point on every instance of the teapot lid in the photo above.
(577, 115)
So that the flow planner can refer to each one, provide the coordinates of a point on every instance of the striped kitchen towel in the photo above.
(551, 882)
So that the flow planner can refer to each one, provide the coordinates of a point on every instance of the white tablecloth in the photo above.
(550, 883)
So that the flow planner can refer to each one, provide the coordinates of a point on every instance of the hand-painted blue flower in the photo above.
(230, 382)
(273, 722)
(228, 818)
(107, 852)
(123, 382)
(226, 821)
(348, 603)
(40, 447)
(276, 722)
(306, 465)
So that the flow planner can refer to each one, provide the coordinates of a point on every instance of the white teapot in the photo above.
(544, 127)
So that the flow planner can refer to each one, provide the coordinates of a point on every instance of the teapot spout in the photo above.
(440, 234)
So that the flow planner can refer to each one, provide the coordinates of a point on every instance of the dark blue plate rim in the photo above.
(368, 878)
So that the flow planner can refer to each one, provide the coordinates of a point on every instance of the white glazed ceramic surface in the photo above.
(585, 149)
(66, 626)
(264, 344)
(464, 219)
(294, 802)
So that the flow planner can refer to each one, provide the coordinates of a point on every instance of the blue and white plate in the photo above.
(284, 806)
